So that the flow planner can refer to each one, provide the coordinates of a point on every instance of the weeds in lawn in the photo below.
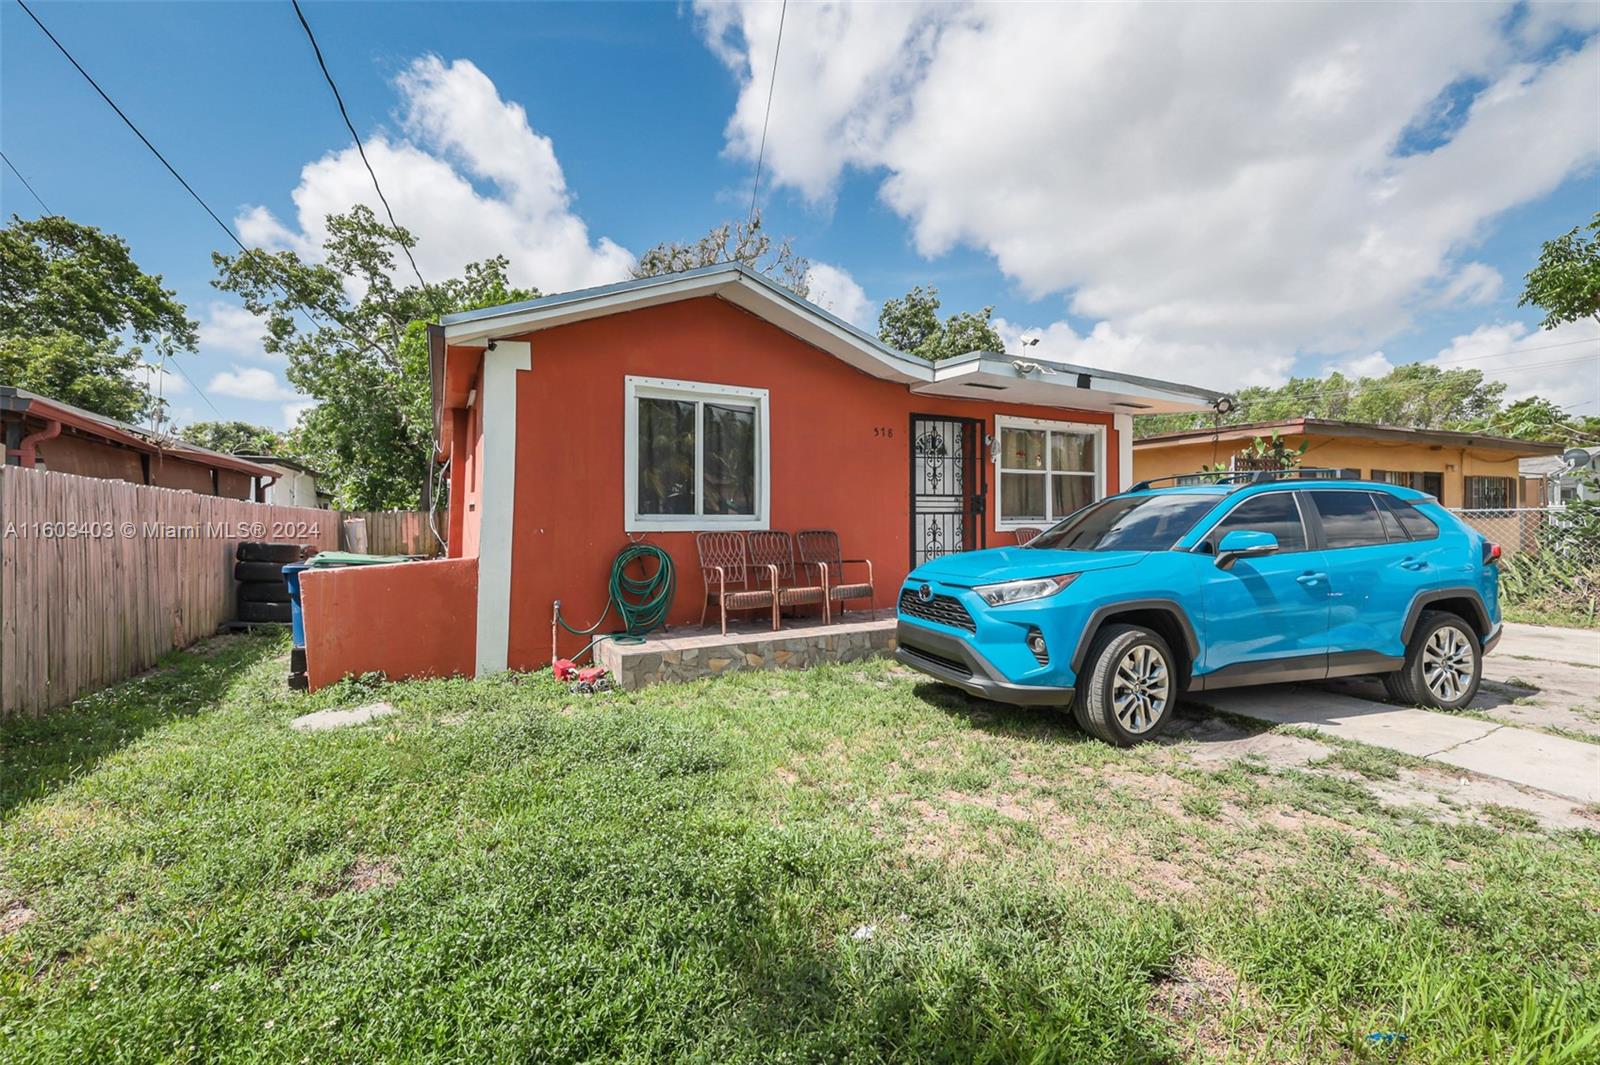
(498, 871)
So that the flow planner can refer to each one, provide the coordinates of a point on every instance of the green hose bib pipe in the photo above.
(641, 603)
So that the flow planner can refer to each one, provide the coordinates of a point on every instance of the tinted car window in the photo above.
(1391, 523)
(1418, 526)
(1127, 523)
(1349, 519)
(1271, 512)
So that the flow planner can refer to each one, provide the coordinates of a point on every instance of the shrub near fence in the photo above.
(100, 578)
(1550, 567)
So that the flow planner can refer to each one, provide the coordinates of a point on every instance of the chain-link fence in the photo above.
(1551, 557)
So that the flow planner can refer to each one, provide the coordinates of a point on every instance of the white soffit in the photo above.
(1000, 380)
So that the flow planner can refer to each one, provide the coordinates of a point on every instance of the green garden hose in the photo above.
(641, 603)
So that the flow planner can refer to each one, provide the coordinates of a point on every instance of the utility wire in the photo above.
(176, 365)
(777, 50)
(14, 170)
(129, 123)
(338, 99)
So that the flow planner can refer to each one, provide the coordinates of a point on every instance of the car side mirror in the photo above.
(1244, 543)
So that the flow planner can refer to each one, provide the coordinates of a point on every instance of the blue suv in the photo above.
(1124, 605)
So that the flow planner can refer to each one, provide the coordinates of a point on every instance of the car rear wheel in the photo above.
(1128, 687)
(1444, 664)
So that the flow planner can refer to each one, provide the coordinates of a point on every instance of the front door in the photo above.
(946, 486)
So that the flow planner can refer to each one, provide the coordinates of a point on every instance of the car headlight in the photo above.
(1021, 591)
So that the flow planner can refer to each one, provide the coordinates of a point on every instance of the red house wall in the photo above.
(839, 442)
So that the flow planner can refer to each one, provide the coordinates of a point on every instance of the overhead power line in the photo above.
(338, 99)
(13, 167)
(761, 154)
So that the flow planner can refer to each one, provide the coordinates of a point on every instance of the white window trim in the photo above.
(635, 388)
(1003, 422)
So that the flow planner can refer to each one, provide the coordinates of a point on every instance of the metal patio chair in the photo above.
(822, 545)
(1026, 533)
(732, 580)
(799, 584)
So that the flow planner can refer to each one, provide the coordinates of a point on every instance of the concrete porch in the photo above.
(689, 652)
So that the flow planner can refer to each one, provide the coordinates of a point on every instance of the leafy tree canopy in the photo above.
(71, 296)
(1565, 283)
(739, 241)
(235, 438)
(911, 324)
(364, 358)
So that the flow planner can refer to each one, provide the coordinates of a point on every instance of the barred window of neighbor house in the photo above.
(1046, 470)
(696, 456)
(1488, 493)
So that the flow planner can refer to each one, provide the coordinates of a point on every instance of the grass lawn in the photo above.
(842, 865)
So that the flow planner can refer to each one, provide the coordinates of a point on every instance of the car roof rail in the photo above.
(1243, 478)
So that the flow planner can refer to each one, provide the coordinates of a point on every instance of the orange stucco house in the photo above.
(711, 399)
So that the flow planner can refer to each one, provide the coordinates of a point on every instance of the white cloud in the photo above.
(1376, 364)
(1206, 181)
(1223, 367)
(230, 328)
(292, 411)
(251, 382)
(457, 131)
(1561, 364)
(834, 290)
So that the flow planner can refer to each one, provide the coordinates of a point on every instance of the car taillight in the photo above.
(1491, 553)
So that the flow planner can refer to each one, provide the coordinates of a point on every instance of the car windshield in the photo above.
(1127, 523)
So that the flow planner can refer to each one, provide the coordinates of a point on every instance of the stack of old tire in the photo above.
(258, 567)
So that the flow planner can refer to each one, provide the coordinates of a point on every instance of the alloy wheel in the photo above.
(1447, 664)
(1140, 688)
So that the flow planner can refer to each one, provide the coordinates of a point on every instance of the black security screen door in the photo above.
(946, 486)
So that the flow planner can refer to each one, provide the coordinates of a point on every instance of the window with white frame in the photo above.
(1046, 470)
(696, 456)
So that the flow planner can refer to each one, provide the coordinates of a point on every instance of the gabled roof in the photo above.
(1350, 430)
(972, 376)
(20, 400)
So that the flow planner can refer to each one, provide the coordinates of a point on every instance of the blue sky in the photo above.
(1218, 195)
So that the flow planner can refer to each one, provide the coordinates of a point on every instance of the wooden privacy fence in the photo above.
(389, 532)
(99, 578)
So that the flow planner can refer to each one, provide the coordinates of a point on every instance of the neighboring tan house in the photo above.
(296, 485)
(1468, 471)
(47, 434)
(712, 399)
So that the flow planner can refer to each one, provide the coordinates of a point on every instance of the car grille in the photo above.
(949, 665)
(942, 609)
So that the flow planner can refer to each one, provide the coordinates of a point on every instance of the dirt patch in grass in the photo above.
(1196, 1003)
(13, 915)
(366, 874)
(1461, 798)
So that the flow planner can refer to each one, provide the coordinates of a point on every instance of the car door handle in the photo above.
(1309, 579)
(1414, 563)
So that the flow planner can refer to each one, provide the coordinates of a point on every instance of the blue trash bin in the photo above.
(297, 618)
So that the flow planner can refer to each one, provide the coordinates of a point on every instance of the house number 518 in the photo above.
(883, 430)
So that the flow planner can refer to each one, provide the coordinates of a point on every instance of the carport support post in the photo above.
(1123, 424)
(497, 498)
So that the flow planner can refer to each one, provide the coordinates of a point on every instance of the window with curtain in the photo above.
(696, 455)
(1045, 470)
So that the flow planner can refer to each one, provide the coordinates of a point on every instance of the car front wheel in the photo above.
(1128, 688)
(1444, 664)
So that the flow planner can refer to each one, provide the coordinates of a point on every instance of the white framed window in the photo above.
(1045, 470)
(696, 456)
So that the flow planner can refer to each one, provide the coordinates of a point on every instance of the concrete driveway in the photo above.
(1539, 683)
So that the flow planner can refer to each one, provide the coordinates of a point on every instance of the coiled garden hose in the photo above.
(641, 603)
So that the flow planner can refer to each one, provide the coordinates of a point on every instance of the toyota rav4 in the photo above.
(1124, 605)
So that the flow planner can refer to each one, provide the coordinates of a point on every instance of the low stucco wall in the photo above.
(413, 619)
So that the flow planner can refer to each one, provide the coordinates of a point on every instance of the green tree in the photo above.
(738, 241)
(364, 359)
(1565, 283)
(74, 307)
(911, 324)
(234, 438)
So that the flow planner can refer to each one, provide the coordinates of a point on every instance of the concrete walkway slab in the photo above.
(1569, 768)
(323, 720)
(1416, 732)
(1580, 647)
(1555, 764)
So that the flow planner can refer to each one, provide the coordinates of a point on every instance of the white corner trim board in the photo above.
(498, 394)
(1123, 424)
